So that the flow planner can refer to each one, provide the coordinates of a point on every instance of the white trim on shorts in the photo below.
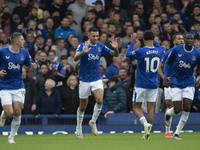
(143, 95)
(178, 94)
(85, 88)
(8, 97)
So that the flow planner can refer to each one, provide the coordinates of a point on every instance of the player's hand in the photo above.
(56, 115)
(134, 37)
(34, 65)
(3, 73)
(33, 108)
(40, 26)
(166, 82)
(108, 112)
(37, 116)
(85, 47)
(114, 43)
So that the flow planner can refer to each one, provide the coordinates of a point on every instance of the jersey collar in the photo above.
(187, 50)
(13, 51)
(91, 44)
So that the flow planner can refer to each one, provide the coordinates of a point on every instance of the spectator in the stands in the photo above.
(60, 50)
(22, 9)
(42, 76)
(70, 95)
(30, 95)
(79, 10)
(64, 29)
(49, 100)
(113, 69)
(115, 97)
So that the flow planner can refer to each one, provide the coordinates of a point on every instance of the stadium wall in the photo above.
(115, 123)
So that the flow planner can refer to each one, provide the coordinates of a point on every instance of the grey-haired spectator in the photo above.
(49, 100)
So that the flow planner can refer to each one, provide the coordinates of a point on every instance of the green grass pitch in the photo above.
(118, 141)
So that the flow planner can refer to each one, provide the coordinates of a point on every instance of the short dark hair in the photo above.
(174, 36)
(148, 35)
(63, 57)
(43, 64)
(93, 29)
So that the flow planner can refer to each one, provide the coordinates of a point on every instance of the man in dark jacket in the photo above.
(31, 93)
(115, 97)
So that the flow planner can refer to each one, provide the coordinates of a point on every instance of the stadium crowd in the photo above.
(53, 30)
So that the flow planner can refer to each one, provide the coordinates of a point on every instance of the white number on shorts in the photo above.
(151, 64)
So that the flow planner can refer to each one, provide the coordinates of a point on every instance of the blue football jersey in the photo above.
(180, 65)
(89, 62)
(13, 62)
(148, 59)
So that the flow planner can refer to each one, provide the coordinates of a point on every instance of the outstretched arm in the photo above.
(131, 46)
(78, 55)
(114, 44)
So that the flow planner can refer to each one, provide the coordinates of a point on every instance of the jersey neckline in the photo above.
(187, 50)
(13, 51)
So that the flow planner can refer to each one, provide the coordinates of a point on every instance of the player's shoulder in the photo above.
(23, 51)
(4, 49)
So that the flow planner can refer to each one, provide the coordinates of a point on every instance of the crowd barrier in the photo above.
(115, 123)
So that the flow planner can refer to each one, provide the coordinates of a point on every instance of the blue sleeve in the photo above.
(169, 62)
(108, 73)
(44, 34)
(28, 59)
(56, 33)
(130, 53)
(156, 44)
(105, 50)
(79, 48)
(74, 32)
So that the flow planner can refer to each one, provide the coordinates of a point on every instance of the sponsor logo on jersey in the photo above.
(13, 66)
(184, 64)
(93, 57)
(7, 57)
